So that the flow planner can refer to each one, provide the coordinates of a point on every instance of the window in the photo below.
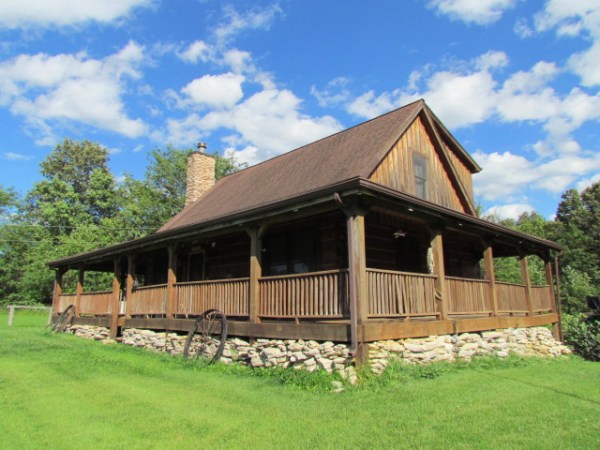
(420, 174)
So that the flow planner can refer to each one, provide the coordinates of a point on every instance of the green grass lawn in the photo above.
(59, 391)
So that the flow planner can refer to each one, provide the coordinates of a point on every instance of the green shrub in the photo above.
(582, 333)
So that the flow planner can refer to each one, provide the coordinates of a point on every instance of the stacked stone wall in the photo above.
(312, 355)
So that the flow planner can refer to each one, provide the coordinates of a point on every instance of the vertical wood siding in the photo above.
(396, 170)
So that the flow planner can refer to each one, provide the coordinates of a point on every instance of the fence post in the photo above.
(11, 314)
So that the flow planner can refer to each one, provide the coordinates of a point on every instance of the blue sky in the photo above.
(516, 82)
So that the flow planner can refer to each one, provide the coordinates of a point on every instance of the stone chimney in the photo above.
(200, 174)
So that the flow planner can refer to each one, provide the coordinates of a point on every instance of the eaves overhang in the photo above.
(355, 187)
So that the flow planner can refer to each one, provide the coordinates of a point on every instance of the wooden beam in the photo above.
(527, 282)
(57, 292)
(393, 329)
(550, 282)
(558, 332)
(79, 290)
(95, 321)
(439, 270)
(171, 280)
(130, 281)
(357, 275)
(116, 293)
(255, 273)
(490, 275)
(374, 330)
(337, 332)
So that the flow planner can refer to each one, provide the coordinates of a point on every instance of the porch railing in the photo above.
(468, 296)
(400, 294)
(308, 295)
(95, 303)
(511, 298)
(230, 296)
(323, 295)
(541, 299)
(65, 300)
(148, 300)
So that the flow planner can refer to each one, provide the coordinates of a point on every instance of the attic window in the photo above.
(420, 174)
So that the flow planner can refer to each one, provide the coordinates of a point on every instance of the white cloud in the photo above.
(587, 182)
(462, 99)
(522, 28)
(511, 211)
(470, 93)
(587, 65)
(44, 13)
(553, 175)
(368, 105)
(11, 156)
(480, 12)
(49, 90)
(573, 18)
(492, 182)
(491, 60)
(196, 51)
(217, 91)
(236, 22)
(334, 93)
(266, 124)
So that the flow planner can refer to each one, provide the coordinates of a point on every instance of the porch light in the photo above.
(411, 210)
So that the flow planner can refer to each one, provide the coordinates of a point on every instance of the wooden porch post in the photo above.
(130, 281)
(58, 284)
(439, 270)
(357, 274)
(171, 280)
(490, 275)
(550, 281)
(556, 331)
(116, 292)
(79, 291)
(527, 282)
(256, 235)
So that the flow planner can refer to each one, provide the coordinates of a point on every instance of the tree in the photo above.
(77, 192)
(508, 269)
(578, 230)
(8, 198)
(148, 204)
(78, 207)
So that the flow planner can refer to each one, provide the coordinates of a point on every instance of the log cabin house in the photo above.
(368, 234)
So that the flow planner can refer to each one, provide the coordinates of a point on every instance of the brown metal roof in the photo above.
(351, 153)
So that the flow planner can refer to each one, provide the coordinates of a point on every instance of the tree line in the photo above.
(79, 206)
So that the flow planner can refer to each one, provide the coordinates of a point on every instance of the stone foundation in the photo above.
(313, 355)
